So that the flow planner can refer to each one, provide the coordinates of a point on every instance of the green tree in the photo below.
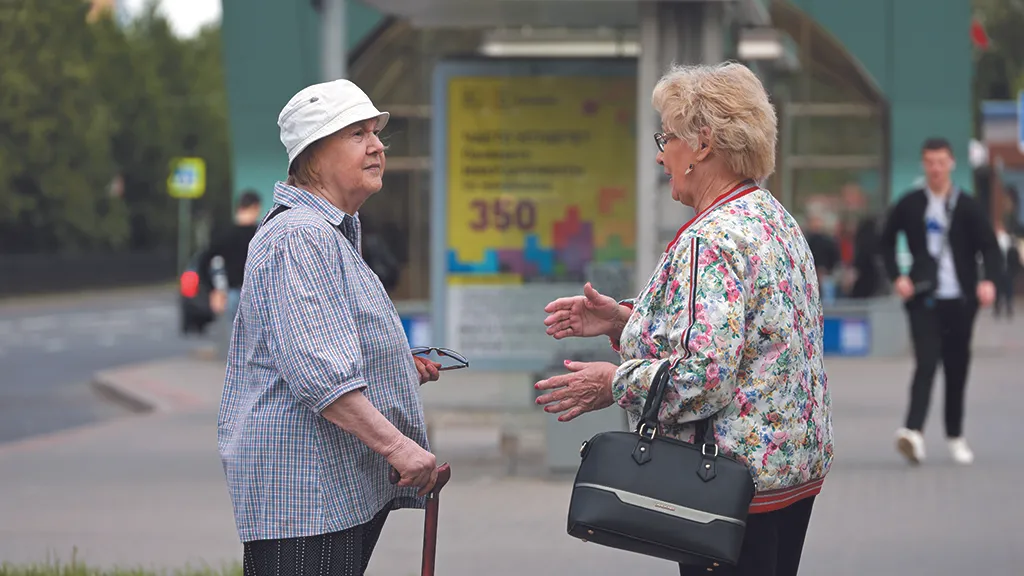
(55, 133)
(82, 104)
(169, 94)
(203, 119)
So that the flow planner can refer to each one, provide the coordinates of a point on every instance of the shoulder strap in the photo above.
(949, 205)
(277, 210)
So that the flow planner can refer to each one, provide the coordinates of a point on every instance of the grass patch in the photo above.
(76, 567)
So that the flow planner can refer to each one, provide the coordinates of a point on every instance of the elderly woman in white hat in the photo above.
(320, 397)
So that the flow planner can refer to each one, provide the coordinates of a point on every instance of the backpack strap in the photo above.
(277, 210)
(281, 208)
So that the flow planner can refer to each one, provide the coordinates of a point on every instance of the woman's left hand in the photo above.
(587, 387)
(428, 369)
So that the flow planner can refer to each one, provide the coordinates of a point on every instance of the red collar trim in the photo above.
(739, 191)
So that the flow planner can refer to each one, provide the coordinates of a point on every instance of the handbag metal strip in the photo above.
(662, 507)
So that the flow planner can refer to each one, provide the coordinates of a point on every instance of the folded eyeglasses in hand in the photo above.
(448, 359)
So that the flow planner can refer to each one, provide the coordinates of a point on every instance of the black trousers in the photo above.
(942, 331)
(1004, 295)
(772, 544)
(344, 553)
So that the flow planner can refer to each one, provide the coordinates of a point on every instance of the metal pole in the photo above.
(184, 230)
(647, 123)
(333, 25)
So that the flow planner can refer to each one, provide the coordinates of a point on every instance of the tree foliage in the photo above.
(83, 105)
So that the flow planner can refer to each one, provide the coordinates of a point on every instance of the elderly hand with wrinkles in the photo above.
(428, 370)
(587, 387)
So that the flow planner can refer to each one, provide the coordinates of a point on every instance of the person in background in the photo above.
(946, 230)
(732, 308)
(227, 254)
(859, 245)
(825, 250)
(1013, 261)
(379, 256)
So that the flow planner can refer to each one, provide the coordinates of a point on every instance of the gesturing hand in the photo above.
(592, 314)
(587, 387)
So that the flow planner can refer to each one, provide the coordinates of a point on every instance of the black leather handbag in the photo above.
(661, 497)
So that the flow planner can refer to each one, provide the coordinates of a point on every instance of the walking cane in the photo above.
(444, 473)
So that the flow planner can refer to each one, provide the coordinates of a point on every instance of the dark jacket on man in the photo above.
(231, 244)
(970, 234)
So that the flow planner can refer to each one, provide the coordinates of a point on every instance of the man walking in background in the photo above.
(232, 246)
(945, 230)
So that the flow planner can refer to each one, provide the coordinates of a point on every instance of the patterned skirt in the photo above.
(344, 553)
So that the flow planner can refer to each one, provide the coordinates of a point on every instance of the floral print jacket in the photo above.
(734, 304)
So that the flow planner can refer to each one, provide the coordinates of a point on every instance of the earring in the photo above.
(688, 170)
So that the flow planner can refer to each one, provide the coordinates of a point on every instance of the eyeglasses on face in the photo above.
(661, 138)
(456, 360)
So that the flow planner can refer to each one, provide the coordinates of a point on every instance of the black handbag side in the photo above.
(661, 497)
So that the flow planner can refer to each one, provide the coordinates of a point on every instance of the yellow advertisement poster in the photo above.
(541, 178)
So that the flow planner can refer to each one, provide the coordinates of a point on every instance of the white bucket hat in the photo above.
(321, 110)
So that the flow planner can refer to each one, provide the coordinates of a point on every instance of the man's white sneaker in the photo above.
(960, 451)
(910, 443)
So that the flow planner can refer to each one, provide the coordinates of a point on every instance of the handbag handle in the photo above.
(652, 406)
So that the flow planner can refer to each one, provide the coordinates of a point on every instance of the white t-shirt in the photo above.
(936, 223)
(1004, 240)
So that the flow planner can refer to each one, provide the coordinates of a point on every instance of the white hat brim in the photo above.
(347, 118)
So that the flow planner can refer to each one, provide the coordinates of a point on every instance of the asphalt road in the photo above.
(50, 348)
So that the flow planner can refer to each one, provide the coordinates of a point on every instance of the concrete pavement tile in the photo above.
(517, 527)
(119, 496)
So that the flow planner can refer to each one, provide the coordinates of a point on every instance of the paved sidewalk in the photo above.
(148, 490)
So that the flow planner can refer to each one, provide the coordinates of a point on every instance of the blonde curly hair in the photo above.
(729, 100)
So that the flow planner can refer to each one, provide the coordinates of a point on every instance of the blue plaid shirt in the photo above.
(313, 323)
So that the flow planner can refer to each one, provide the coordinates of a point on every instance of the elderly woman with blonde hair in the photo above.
(732, 306)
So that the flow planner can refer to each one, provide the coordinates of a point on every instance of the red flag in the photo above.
(978, 35)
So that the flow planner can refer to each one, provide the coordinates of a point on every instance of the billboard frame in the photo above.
(444, 72)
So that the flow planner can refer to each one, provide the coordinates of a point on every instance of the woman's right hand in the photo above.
(415, 466)
(592, 314)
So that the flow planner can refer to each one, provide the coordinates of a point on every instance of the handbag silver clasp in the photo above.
(647, 432)
(704, 450)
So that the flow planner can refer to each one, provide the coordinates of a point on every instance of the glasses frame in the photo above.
(662, 138)
(447, 352)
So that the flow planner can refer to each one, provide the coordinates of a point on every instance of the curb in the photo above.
(148, 387)
(108, 389)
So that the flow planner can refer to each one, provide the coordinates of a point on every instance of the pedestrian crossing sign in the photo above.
(188, 178)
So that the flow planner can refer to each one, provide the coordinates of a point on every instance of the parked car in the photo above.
(194, 286)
